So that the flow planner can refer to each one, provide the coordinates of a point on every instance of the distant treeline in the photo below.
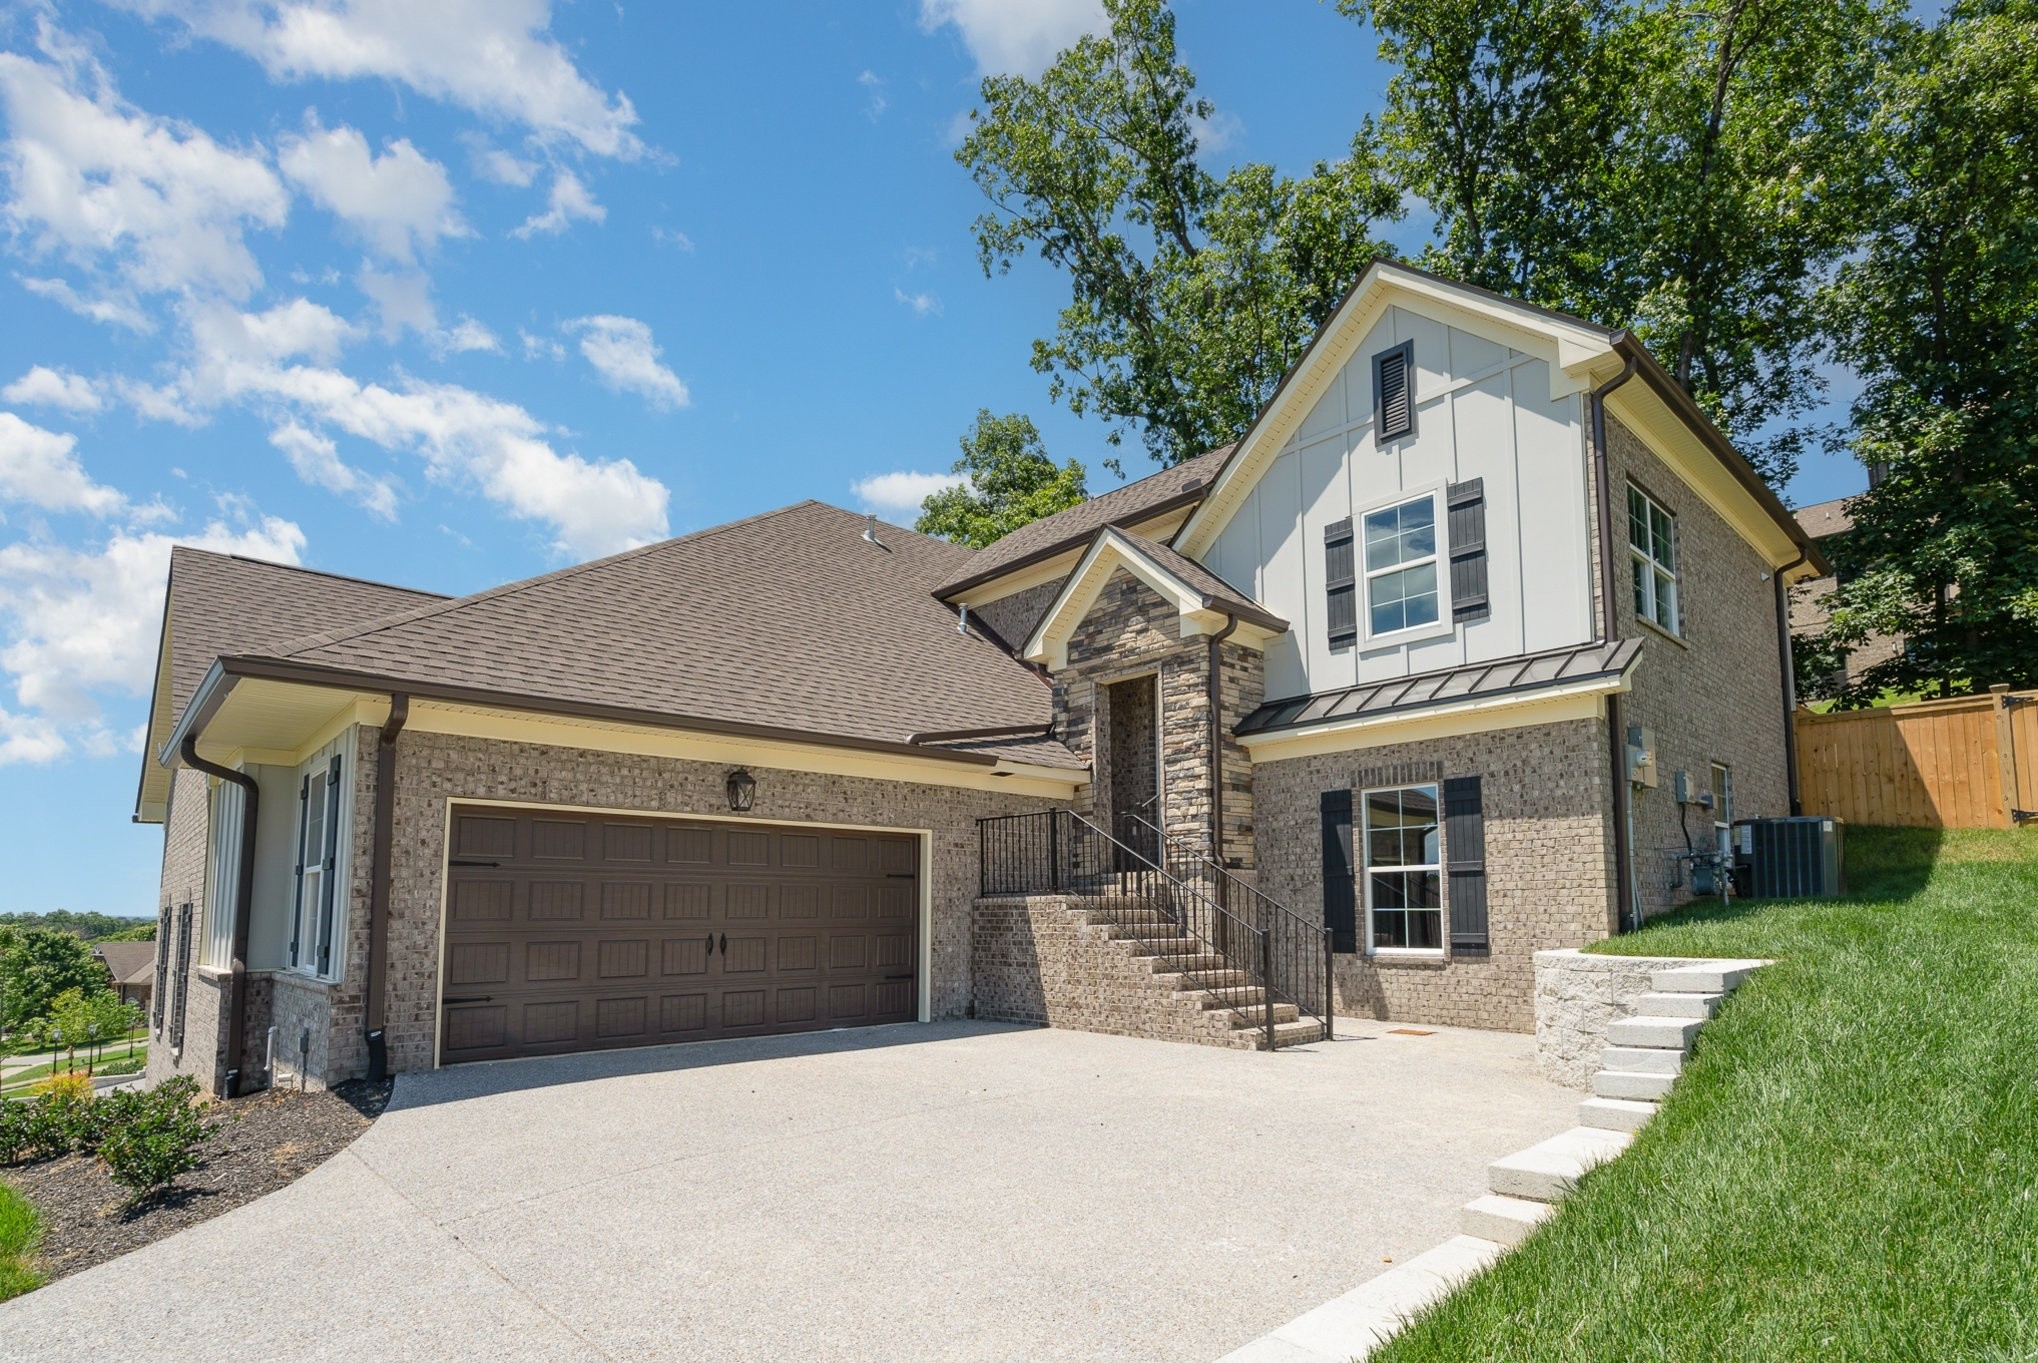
(93, 927)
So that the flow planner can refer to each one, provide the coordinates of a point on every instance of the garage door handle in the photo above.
(898, 977)
(725, 944)
(470, 998)
(468, 861)
(711, 944)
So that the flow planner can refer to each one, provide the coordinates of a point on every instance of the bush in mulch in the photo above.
(252, 1146)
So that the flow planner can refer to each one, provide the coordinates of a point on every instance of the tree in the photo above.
(42, 964)
(1190, 295)
(89, 925)
(1681, 169)
(1009, 481)
(1938, 312)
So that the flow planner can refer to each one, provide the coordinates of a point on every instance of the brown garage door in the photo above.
(575, 932)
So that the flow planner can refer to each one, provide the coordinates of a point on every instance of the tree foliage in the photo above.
(1009, 481)
(92, 926)
(1938, 312)
(38, 966)
(1191, 295)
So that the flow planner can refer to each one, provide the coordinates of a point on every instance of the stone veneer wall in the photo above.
(1716, 694)
(435, 769)
(1129, 631)
(183, 881)
(1577, 995)
(1549, 863)
(1014, 616)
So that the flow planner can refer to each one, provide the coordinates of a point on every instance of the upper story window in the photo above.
(1394, 393)
(1652, 544)
(1401, 566)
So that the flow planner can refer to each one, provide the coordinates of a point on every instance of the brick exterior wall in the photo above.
(1014, 616)
(1716, 694)
(1130, 630)
(185, 831)
(1545, 791)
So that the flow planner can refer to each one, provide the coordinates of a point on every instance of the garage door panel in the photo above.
(567, 933)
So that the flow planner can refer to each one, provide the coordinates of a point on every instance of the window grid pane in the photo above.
(1652, 545)
(1403, 873)
(1401, 551)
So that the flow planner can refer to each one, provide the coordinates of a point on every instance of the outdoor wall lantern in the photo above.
(742, 790)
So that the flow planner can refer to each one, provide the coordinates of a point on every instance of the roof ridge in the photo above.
(176, 549)
(326, 639)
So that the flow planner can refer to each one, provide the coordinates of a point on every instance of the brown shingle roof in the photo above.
(788, 620)
(1825, 518)
(126, 960)
(1217, 593)
(1050, 535)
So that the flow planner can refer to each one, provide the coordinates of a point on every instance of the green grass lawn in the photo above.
(19, 1229)
(14, 1047)
(22, 1078)
(1848, 1168)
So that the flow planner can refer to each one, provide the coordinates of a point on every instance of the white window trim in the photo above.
(1365, 869)
(1642, 562)
(1443, 625)
(222, 872)
(343, 748)
(1722, 774)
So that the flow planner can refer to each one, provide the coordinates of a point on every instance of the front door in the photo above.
(1132, 710)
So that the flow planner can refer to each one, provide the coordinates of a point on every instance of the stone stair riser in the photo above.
(1615, 1114)
(1503, 1220)
(1624, 1084)
(1641, 1060)
(1700, 1006)
(1662, 1033)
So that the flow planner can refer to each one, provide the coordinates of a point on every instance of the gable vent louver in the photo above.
(1393, 403)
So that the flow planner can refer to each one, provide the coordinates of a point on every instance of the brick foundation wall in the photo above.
(1549, 864)
(183, 882)
(1715, 694)
(434, 769)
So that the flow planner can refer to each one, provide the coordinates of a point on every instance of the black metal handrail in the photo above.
(1300, 950)
(1059, 852)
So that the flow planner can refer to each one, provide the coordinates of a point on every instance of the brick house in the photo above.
(1349, 718)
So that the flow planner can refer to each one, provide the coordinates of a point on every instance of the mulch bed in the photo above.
(258, 1145)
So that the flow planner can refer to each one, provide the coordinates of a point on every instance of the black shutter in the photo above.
(332, 863)
(1393, 400)
(1340, 910)
(183, 979)
(1465, 845)
(1340, 584)
(162, 970)
(297, 895)
(1467, 510)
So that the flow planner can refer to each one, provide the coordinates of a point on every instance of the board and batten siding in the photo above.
(1482, 411)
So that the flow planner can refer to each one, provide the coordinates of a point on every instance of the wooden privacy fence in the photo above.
(1969, 762)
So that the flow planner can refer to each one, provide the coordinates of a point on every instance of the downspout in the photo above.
(375, 1011)
(1617, 735)
(1217, 740)
(1789, 664)
(244, 894)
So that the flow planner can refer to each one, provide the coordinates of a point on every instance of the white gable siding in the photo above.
(1482, 411)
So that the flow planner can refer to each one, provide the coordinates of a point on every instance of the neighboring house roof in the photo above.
(1174, 487)
(790, 622)
(1509, 677)
(128, 962)
(224, 603)
(1826, 518)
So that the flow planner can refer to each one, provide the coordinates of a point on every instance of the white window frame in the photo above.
(301, 928)
(1650, 571)
(1723, 808)
(225, 826)
(1365, 868)
(1440, 559)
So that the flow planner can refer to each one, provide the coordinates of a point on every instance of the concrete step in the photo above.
(1642, 1060)
(1503, 1220)
(1545, 1172)
(1627, 1084)
(1700, 1006)
(1670, 1034)
(1291, 1033)
(1615, 1114)
(1714, 977)
(1256, 1016)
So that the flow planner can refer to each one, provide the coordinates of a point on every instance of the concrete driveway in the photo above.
(949, 1191)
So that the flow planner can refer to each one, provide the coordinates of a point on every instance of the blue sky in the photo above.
(308, 280)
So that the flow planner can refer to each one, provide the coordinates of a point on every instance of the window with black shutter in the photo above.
(162, 971)
(331, 876)
(1340, 910)
(182, 982)
(1466, 502)
(1393, 393)
(1340, 585)
(1465, 862)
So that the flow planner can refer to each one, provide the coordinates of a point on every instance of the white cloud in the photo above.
(494, 57)
(41, 468)
(493, 163)
(158, 205)
(623, 353)
(540, 347)
(570, 201)
(158, 402)
(402, 299)
(923, 303)
(82, 623)
(901, 493)
(43, 386)
(875, 102)
(317, 461)
(669, 236)
(299, 328)
(465, 335)
(1012, 38)
(400, 202)
(116, 309)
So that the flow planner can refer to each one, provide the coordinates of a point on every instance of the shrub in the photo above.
(133, 1064)
(14, 1124)
(151, 1137)
(60, 1118)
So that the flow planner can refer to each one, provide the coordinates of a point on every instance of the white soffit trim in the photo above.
(1567, 347)
(1578, 700)
(1056, 568)
(1049, 642)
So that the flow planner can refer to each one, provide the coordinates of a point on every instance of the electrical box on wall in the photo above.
(1642, 755)
(1680, 782)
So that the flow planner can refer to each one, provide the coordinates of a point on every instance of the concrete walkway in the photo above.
(949, 1191)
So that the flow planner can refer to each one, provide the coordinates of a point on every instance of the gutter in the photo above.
(383, 840)
(244, 894)
(1216, 693)
(1789, 668)
(1626, 913)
